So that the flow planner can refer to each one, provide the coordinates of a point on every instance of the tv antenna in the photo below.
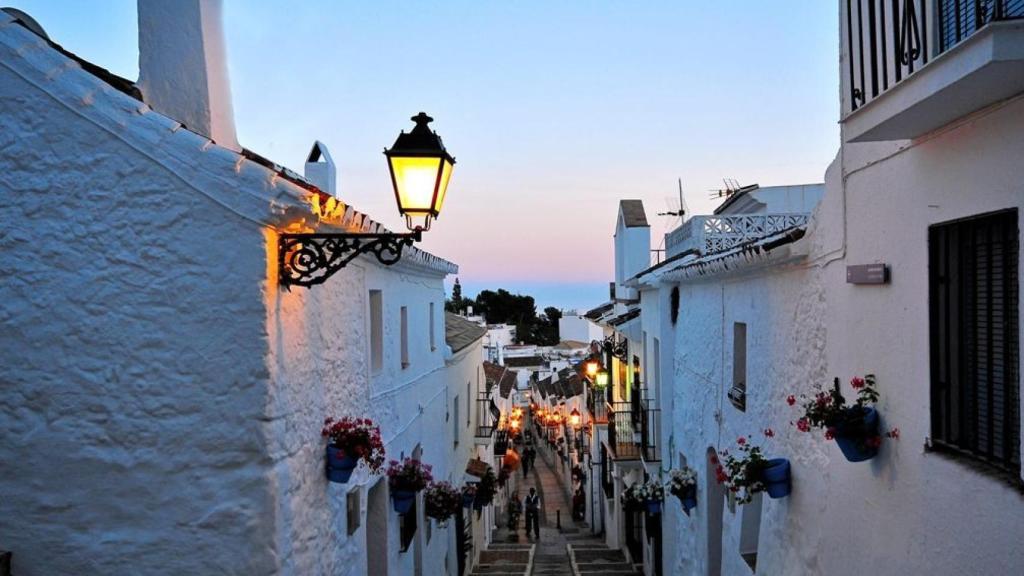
(682, 211)
(732, 186)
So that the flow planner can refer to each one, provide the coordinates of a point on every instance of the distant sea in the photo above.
(580, 296)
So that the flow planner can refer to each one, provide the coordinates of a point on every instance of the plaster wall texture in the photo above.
(906, 510)
(175, 389)
(133, 346)
(632, 255)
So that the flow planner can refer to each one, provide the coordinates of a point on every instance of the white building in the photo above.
(164, 393)
(573, 326)
(926, 188)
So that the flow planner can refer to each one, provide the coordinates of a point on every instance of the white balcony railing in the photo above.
(710, 234)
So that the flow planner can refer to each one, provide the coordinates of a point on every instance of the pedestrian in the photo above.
(533, 513)
(579, 504)
(526, 462)
(515, 509)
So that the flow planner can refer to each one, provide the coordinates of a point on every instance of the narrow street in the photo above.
(567, 550)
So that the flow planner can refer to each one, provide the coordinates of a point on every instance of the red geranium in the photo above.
(358, 438)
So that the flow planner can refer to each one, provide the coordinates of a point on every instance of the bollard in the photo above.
(558, 519)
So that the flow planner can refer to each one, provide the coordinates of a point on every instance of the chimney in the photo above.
(320, 168)
(183, 66)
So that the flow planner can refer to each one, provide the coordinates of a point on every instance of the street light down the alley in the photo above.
(592, 368)
(420, 169)
(574, 419)
(601, 380)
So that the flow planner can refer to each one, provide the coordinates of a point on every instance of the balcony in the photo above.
(913, 66)
(633, 431)
(710, 234)
(486, 423)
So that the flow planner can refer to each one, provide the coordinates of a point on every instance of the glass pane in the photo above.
(445, 175)
(415, 178)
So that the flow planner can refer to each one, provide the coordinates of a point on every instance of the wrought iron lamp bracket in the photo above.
(616, 347)
(310, 259)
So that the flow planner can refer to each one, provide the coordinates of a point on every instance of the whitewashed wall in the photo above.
(163, 397)
(906, 511)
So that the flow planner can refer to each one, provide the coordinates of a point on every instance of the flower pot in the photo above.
(339, 466)
(776, 479)
(852, 435)
(689, 498)
(402, 500)
(653, 507)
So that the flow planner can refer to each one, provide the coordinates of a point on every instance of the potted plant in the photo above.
(405, 479)
(441, 501)
(653, 494)
(682, 484)
(349, 441)
(633, 497)
(748, 472)
(485, 490)
(853, 427)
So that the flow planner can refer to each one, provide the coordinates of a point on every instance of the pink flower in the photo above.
(857, 382)
(894, 433)
(830, 433)
(741, 441)
(768, 432)
(803, 425)
(791, 400)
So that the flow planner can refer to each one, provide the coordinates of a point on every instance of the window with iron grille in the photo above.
(975, 349)
(407, 527)
(958, 19)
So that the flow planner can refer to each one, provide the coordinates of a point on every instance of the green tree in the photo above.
(456, 304)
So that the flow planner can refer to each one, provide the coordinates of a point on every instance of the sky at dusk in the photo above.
(553, 110)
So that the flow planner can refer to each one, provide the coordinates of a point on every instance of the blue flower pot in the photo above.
(467, 500)
(852, 435)
(653, 506)
(339, 468)
(689, 499)
(403, 500)
(776, 479)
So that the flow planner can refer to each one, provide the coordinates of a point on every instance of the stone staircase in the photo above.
(505, 558)
(590, 556)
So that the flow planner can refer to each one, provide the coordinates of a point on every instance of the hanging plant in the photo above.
(747, 472)
(405, 479)
(682, 484)
(853, 427)
(632, 497)
(350, 440)
(485, 490)
(441, 501)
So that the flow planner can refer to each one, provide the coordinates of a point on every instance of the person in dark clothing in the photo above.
(526, 460)
(579, 504)
(533, 513)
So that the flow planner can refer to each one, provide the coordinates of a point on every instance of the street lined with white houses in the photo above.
(215, 365)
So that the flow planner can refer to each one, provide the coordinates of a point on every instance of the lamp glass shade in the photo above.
(592, 368)
(574, 418)
(601, 380)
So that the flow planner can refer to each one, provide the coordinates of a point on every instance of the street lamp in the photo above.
(420, 169)
(592, 368)
(601, 380)
(574, 419)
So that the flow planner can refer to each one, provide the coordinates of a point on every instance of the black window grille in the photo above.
(975, 384)
(958, 19)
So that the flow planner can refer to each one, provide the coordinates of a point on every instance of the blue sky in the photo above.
(554, 110)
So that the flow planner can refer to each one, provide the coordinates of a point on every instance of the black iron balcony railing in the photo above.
(887, 40)
(633, 431)
(597, 406)
(486, 422)
(606, 474)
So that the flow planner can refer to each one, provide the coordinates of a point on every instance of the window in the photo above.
(738, 392)
(352, 511)
(407, 526)
(975, 386)
(376, 331)
(455, 419)
(405, 337)
(469, 398)
(433, 336)
(750, 531)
